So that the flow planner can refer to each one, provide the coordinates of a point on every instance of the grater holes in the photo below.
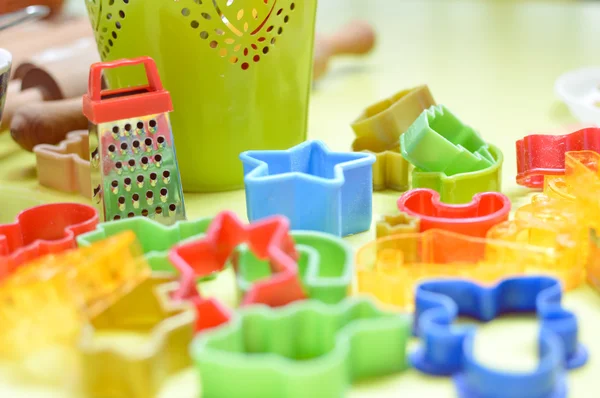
(280, 11)
(126, 1)
(114, 34)
(157, 159)
(115, 129)
(213, 44)
(122, 14)
(280, 30)
(118, 25)
(185, 12)
(172, 208)
(136, 145)
(148, 142)
(206, 16)
(158, 210)
(135, 197)
(233, 60)
(121, 200)
(123, 146)
(118, 166)
(245, 66)
(194, 24)
(273, 40)
(145, 212)
(140, 179)
(204, 35)
(160, 139)
(109, 16)
(199, 2)
(117, 217)
(256, 58)
(140, 125)
(270, 28)
(265, 50)
(223, 52)
(128, 127)
(286, 19)
(110, 42)
(131, 214)
(111, 2)
(152, 123)
(114, 183)
(144, 161)
(220, 32)
(293, 6)
(111, 148)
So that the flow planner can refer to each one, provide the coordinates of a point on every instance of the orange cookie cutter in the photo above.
(65, 167)
(390, 170)
(268, 239)
(44, 229)
(138, 370)
(390, 268)
(386, 120)
(62, 291)
(397, 224)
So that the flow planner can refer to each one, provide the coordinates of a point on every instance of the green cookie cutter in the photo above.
(460, 188)
(439, 141)
(325, 266)
(306, 349)
(155, 239)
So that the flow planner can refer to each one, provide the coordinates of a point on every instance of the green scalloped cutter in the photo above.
(439, 142)
(306, 349)
(325, 266)
(155, 239)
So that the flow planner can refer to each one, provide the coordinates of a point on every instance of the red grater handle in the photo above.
(95, 81)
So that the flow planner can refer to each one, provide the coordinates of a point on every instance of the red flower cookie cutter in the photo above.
(45, 229)
(268, 239)
(539, 155)
(474, 219)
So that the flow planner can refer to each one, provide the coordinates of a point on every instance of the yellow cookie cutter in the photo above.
(137, 370)
(390, 170)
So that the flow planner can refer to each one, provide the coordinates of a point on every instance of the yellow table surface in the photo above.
(494, 65)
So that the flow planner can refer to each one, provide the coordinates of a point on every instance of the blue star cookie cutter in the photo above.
(447, 349)
(315, 188)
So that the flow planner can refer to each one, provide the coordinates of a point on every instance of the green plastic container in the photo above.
(239, 73)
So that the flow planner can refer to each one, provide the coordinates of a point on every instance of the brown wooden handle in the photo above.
(16, 99)
(47, 122)
(355, 38)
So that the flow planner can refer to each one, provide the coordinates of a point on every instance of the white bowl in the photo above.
(580, 91)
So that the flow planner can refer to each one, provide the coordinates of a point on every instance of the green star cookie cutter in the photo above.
(155, 239)
(460, 188)
(439, 142)
(306, 349)
(325, 266)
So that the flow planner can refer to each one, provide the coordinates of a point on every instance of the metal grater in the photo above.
(134, 168)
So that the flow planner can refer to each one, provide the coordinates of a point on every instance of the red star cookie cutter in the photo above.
(41, 230)
(473, 219)
(539, 155)
(269, 239)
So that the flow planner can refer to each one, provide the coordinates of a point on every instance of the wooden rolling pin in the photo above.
(355, 38)
(7, 6)
(54, 74)
(47, 122)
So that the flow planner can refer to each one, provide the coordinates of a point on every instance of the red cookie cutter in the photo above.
(474, 219)
(539, 155)
(42, 230)
(269, 239)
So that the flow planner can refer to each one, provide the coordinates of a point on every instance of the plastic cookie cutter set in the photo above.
(24, 240)
(397, 224)
(450, 157)
(540, 155)
(448, 349)
(475, 218)
(378, 131)
(390, 170)
(62, 291)
(165, 330)
(390, 268)
(316, 189)
(306, 349)
(155, 238)
(132, 153)
(325, 265)
(268, 239)
(578, 89)
(65, 167)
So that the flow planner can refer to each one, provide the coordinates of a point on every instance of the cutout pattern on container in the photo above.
(239, 31)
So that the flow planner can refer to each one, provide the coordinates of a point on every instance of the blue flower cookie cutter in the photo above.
(448, 349)
(315, 188)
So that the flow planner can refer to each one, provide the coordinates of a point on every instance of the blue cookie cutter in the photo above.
(316, 189)
(447, 349)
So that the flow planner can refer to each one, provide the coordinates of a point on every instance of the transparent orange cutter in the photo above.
(57, 293)
(390, 268)
(65, 167)
(157, 332)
